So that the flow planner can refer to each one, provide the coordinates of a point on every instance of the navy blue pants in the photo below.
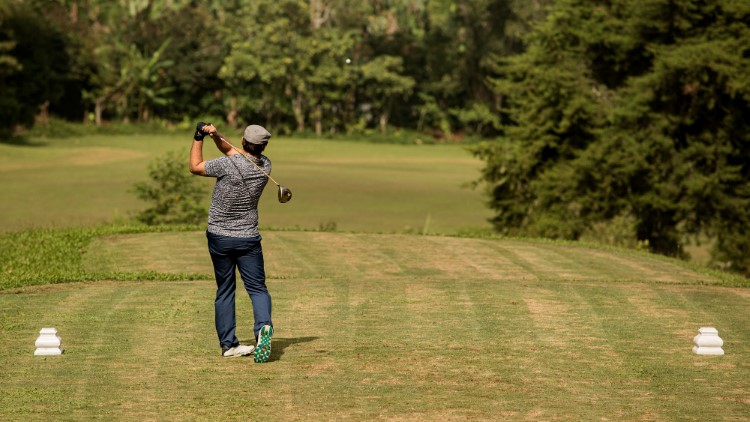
(246, 254)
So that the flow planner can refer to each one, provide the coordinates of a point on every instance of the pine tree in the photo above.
(630, 111)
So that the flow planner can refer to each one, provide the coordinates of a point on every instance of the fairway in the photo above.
(395, 327)
(441, 211)
(349, 186)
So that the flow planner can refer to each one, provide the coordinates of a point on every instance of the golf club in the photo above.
(285, 194)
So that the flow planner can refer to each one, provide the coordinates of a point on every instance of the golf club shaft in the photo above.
(248, 159)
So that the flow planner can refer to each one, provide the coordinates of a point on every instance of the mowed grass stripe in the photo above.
(93, 331)
(612, 361)
(383, 326)
(169, 251)
(329, 255)
(129, 353)
(655, 333)
(362, 349)
(547, 261)
(582, 359)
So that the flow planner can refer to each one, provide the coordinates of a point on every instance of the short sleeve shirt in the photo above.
(234, 203)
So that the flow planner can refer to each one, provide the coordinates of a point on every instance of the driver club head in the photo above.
(284, 194)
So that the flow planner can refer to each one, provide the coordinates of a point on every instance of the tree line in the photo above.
(297, 65)
(612, 120)
(629, 120)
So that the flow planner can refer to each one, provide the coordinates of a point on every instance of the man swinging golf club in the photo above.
(233, 236)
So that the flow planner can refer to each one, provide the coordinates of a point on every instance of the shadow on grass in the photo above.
(279, 345)
(21, 141)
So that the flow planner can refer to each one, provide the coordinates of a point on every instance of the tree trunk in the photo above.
(94, 13)
(385, 114)
(74, 12)
(299, 114)
(318, 116)
(98, 109)
(313, 11)
(319, 14)
(384, 121)
(350, 110)
(233, 113)
(125, 115)
(43, 116)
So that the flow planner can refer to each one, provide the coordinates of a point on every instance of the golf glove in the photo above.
(199, 134)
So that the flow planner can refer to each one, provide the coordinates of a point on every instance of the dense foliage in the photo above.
(612, 119)
(326, 66)
(34, 65)
(631, 114)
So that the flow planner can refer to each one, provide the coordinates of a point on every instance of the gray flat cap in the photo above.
(255, 134)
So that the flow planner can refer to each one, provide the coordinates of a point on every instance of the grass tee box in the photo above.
(392, 327)
(347, 185)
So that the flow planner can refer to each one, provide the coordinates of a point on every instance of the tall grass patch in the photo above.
(48, 256)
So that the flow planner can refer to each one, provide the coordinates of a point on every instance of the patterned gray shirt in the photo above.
(234, 204)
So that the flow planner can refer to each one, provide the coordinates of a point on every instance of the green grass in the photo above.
(352, 186)
(372, 321)
(139, 252)
(48, 256)
(377, 326)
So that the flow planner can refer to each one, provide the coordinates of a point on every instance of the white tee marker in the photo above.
(48, 343)
(708, 342)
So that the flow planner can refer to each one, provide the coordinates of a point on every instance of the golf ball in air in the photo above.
(348, 60)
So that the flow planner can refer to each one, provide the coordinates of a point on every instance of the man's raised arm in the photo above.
(221, 143)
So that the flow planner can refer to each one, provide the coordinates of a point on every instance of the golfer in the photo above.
(233, 237)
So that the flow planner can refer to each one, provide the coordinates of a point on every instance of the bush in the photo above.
(174, 193)
(620, 231)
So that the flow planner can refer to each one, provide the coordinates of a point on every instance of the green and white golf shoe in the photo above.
(263, 351)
